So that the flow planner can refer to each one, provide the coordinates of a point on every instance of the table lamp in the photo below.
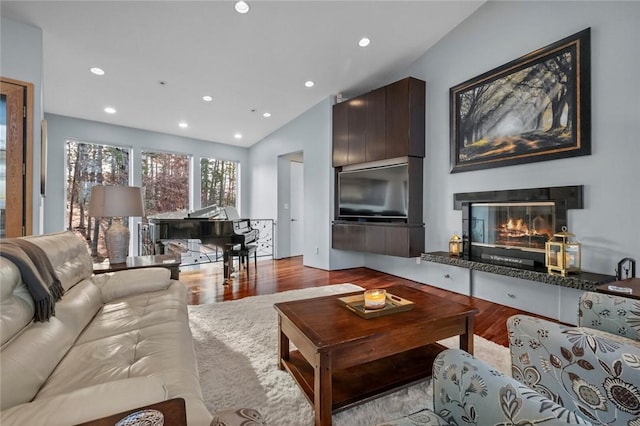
(116, 202)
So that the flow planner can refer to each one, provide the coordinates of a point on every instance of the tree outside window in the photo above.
(90, 164)
(219, 182)
(165, 179)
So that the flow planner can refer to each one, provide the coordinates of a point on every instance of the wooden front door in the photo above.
(16, 150)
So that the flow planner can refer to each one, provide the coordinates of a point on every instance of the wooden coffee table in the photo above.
(343, 359)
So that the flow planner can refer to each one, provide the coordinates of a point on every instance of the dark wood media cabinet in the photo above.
(390, 239)
(383, 127)
(385, 123)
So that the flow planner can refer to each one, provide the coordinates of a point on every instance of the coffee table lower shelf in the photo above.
(367, 381)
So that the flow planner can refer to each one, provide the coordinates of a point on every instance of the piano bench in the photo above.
(243, 255)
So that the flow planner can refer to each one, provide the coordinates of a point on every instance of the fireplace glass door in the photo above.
(526, 226)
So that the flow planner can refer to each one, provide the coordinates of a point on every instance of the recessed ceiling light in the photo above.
(183, 124)
(207, 98)
(238, 136)
(309, 83)
(110, 110)
(364, 42)
(242, 7)
(266, 115)
(97, 71)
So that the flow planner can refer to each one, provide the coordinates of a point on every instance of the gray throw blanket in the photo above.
(37, 274)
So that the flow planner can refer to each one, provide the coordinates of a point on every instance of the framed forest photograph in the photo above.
(535, 108)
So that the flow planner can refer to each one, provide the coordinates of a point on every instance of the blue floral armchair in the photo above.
(592, 374)
(466, 391)
(613, 314)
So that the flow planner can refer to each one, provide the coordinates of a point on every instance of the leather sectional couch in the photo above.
(117, 341)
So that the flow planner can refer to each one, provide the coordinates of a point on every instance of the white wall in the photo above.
(311, 134)
(61, 129)
(496, 33)
(21, 59)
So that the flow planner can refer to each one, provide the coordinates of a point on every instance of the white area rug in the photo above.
(236, 345)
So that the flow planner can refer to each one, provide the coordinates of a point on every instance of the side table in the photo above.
(139, 262)
(173, 410)
(625, 288)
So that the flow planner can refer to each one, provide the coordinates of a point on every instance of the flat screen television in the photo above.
(375, 193)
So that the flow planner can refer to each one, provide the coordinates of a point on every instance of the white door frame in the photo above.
(283, 228)
(296, 208)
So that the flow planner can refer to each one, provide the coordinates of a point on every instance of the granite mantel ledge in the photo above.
(584, 281)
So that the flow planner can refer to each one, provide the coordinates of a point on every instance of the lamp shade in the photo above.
(116, 201)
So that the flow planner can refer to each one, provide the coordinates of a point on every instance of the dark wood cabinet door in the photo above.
(376, 119)
(385, 123)
(390, 240)
(340, 134)
(417, 109)
(405, 113)
(348, 237)
(397, 241)
(357, 129)
(397, 123)
(376, 239)
(405, 241)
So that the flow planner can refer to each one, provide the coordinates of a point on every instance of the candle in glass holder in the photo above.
(375, 299)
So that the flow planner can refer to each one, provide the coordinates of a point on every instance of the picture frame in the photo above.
(534, 108)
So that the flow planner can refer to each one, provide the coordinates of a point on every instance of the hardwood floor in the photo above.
(206, 285)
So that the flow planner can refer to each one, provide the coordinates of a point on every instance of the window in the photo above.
(90, 164)
(165, 179)
(219, 182)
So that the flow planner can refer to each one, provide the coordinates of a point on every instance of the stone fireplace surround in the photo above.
(562, 197)
(566, 197)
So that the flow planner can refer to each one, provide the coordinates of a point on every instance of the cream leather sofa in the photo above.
(117, 341)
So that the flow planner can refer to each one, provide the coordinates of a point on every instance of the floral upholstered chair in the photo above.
(590, 373)
(613, 314)
(466, 391)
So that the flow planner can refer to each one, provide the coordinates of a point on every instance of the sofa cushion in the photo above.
(156, 349)
(30, 350)
(145, 335)
(68, 255)
(79, 306)
(30, 357)
(137, 312)
(133, 281)
(16, 304)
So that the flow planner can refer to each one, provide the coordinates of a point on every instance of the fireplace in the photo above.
(511, 227)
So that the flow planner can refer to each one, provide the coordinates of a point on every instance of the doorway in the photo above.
(16, 158)
(290, 229)
(297, 208)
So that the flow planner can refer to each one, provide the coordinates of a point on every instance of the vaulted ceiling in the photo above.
(161, 57)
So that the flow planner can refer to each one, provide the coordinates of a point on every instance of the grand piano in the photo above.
(216, 226)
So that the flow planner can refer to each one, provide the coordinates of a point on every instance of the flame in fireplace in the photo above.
(518, 228)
